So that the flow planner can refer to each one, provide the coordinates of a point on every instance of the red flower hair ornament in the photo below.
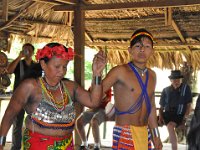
(58, 51)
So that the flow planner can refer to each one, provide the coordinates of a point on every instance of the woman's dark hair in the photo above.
(139, 37)
(193, 137)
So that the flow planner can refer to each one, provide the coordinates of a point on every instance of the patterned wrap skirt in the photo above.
(123, 138)
(37, 141)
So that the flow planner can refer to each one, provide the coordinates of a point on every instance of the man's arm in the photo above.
(11, 67)
(188, 110)
(189, 102)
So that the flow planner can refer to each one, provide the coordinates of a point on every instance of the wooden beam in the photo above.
(48, 2)
(27, 35)
(44, 22)
(8, 23)
(5, 10)
(90, 39)
(168, 16)
(126, 44)
(176, 28)
(67, 1)
(79, 65)
(79, 43)
(132, 5)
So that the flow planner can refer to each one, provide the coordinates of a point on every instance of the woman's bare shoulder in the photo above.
(28, 84)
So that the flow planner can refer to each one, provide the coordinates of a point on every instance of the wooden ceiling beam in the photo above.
(146, 4)
(168, 16)
(67, 1)
(43, 22)
(90, 39)
(8, 23)
(5, 10)
(48, 2)
(124, 44)
(176, 28)
(57, 2)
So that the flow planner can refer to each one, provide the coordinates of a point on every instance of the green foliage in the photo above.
(88, 70)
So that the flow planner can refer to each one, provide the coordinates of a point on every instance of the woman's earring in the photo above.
(43, 73)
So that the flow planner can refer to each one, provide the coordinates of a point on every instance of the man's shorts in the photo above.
(172, 117)
(98, 114)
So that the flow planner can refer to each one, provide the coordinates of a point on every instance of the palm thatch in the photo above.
(108, 26)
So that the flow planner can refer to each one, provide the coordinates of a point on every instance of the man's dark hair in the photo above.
(140, 36)
(29, 44)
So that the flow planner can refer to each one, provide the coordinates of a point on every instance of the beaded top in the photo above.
(50, 115)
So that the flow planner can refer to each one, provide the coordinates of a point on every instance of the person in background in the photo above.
(48, 99)
(175, 105)
(193, 136)
(20, 67)
(95, 117)
(133, 87)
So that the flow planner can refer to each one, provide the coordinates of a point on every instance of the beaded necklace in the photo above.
(49, 87)
(139, 70)
(59, 106)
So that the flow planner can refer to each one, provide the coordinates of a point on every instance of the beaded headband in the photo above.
(58, 51)
(141, 33)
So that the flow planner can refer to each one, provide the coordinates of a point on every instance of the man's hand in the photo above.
(157, 143)
(99, 63)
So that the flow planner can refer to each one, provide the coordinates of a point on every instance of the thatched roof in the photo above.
(109, 24)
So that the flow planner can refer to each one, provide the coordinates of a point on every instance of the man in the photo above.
(193, 136)
(95, 117)
(134, 85)
(175, 103)
(19, 67)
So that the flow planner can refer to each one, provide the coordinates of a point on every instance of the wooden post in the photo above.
(79, 43)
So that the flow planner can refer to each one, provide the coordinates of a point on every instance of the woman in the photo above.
(193, 136)
(49, 100)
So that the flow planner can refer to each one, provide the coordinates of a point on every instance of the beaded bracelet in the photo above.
(2, 140)
(155, 132)
(97, 80)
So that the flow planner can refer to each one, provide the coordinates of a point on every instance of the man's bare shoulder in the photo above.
(152, 72)
(120, 68)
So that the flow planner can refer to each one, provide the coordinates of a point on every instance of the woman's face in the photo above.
(55, 69)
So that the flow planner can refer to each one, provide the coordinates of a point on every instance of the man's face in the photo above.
(28, 51)
(176, 82)
(141, 51)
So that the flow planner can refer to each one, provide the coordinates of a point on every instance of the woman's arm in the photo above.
(17, 102)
